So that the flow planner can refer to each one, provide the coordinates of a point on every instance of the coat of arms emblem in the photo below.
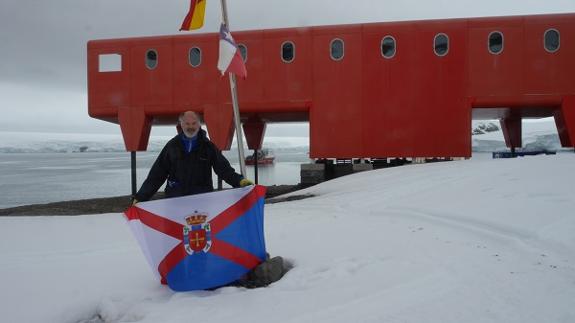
(197, 233)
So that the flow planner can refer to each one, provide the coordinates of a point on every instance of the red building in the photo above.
(397, 89)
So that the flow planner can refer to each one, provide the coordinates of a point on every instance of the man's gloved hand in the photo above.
(245, 182)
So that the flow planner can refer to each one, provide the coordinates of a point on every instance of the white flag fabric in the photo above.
(230, 59)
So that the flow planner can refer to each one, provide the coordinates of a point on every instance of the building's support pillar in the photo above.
(255, 129)
(511, 127)
(565, 121)
(220, 126)
(136, 127)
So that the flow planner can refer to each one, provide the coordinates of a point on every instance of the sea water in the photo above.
(33, 178)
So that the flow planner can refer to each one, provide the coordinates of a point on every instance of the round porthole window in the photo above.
(495, 42)
(388, 47)
(336, 49)
(151, 59)
(288, 52)
(244, 52)
(195, 56)
(552, 40)
(441, 44)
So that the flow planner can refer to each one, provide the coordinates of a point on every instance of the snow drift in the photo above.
(467, 241)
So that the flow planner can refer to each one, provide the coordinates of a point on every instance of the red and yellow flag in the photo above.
(195, 17)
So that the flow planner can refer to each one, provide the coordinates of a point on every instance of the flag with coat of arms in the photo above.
(201, 241)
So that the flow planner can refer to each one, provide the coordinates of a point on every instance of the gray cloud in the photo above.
(44, 42)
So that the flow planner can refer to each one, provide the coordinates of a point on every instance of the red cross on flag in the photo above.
(201, 241)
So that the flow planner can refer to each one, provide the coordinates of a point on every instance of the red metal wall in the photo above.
(416, 104)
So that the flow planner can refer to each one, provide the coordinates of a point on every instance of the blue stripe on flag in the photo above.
(203, 271)
(251, 224)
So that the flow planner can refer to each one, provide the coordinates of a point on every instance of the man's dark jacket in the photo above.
(187, 173)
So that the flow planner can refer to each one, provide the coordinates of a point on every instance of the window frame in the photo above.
(502, 42)
(148, 51)
(342, 49)
(240, 45)
(282, 51)
(190, 57)
(394, 47)
(558, 37)
(448, 41)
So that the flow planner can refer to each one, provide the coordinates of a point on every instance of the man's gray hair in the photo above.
(197, 115)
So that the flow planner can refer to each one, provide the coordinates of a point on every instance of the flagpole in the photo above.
(233, 89)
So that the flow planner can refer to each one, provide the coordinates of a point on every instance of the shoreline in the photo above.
(118, 204)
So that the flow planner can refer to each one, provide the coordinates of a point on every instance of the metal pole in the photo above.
(133, 162)
(256, 162)
(233, 88)
(239, 132)
(225, 13)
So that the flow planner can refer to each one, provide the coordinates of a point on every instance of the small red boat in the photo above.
(265, 157)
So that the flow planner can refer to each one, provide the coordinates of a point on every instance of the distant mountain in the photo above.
(536, 134)
(43, 142)
(484, 127)
(487, 136)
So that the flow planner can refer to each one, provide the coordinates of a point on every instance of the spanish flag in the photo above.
(195, 17)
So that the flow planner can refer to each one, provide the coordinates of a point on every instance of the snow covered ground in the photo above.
(480, 240)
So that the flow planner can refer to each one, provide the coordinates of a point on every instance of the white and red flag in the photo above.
(201, 241)
(230, 58)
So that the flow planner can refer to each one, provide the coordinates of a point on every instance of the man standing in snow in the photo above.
(186, 162)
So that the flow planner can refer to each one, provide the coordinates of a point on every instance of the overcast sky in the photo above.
(43, 42)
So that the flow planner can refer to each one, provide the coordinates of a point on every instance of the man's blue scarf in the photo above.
(189, 143)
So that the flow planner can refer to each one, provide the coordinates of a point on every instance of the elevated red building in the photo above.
(397, 89)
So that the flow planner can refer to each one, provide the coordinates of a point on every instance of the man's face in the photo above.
(190, 124)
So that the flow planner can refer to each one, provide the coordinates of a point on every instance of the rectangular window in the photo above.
(109, 63)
